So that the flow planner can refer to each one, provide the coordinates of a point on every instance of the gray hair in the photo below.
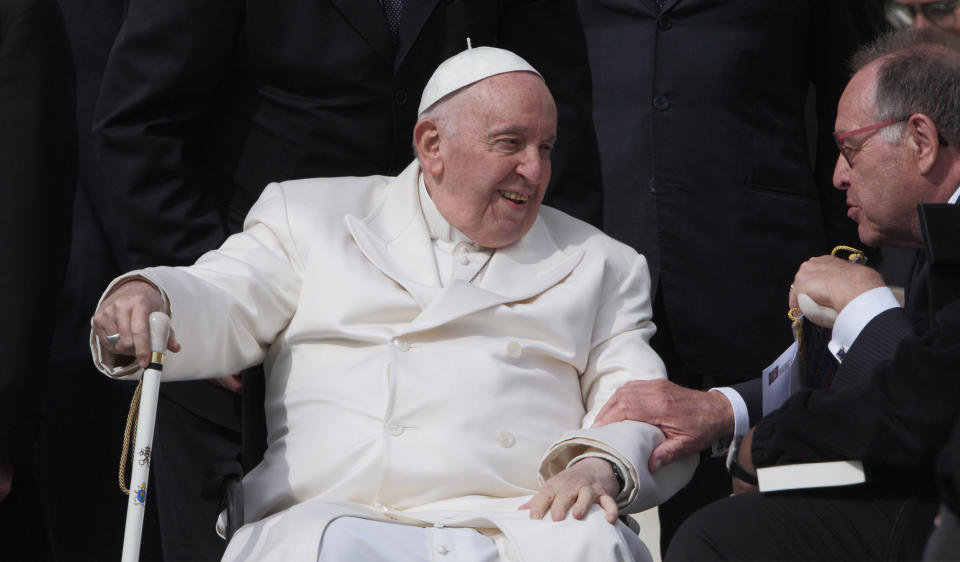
(442, 112)
(919, 73)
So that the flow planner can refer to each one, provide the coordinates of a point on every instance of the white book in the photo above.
(810, 475)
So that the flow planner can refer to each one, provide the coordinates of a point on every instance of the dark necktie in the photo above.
(392, 9)
(918, 301)
(660, 3)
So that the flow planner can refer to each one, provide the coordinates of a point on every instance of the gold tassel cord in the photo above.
(129, 431)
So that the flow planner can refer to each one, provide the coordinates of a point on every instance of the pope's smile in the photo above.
(514, 196)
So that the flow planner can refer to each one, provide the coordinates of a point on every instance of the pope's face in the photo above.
(496, 158)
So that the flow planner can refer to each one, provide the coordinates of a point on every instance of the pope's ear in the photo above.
(426, 137)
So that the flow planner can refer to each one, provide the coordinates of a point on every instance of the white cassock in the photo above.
(392, 396)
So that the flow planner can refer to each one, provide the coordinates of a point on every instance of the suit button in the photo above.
(506, 439)
(514, 350)
(664, 22)
(661, 103)
(400, 344)
(400, 97)
(652, 186)
(395, 427)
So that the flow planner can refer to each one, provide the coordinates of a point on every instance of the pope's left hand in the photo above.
(587, 482)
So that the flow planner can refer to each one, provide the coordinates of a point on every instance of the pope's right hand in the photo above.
(126, 311)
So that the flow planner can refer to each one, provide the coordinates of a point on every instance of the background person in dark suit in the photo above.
(37, 173)
(86, 414)
(700, 115)
(204, 103)
(899, 128)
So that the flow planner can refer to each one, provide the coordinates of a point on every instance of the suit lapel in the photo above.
(396, 241)
(368, 19)
(415, 15)
(516, 273)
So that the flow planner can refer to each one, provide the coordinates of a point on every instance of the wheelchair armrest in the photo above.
(224, 482)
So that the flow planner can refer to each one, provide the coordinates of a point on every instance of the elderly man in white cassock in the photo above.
(436, 347)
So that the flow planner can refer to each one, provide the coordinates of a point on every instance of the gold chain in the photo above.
(129, 431)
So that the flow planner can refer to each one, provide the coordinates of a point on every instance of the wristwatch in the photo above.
(734, 468)
(621, 481)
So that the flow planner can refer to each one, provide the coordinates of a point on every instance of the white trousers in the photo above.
(353, 539)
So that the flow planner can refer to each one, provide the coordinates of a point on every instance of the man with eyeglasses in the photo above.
(927, 13)
(898, 129)
(885, 212)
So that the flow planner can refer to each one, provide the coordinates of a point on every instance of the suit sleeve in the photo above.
(621, 352)
(166, 65)
(838, 29)
(875, 344)
(752, 393)
(38, 147)
(899, 421)
(549, 35)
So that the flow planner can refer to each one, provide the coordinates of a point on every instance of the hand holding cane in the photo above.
(149, 390)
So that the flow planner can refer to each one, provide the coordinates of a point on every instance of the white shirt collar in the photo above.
(954, 197)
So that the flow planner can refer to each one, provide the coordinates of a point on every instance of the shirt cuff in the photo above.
(741, 420)
(856, 315)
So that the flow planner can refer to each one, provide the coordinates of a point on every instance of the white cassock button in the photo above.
(400, 344)
(506, 439)
(395, 427)
(464, 259)
(442, 550)
(514, 350)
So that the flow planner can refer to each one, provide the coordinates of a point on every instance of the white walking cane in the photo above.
(150, 389)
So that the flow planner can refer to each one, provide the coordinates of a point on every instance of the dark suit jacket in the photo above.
(38, 143)
(948, 471)
(700, 116)
(896, 424)
(203, 103)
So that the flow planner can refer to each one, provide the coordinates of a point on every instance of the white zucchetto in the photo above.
(468, 67)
